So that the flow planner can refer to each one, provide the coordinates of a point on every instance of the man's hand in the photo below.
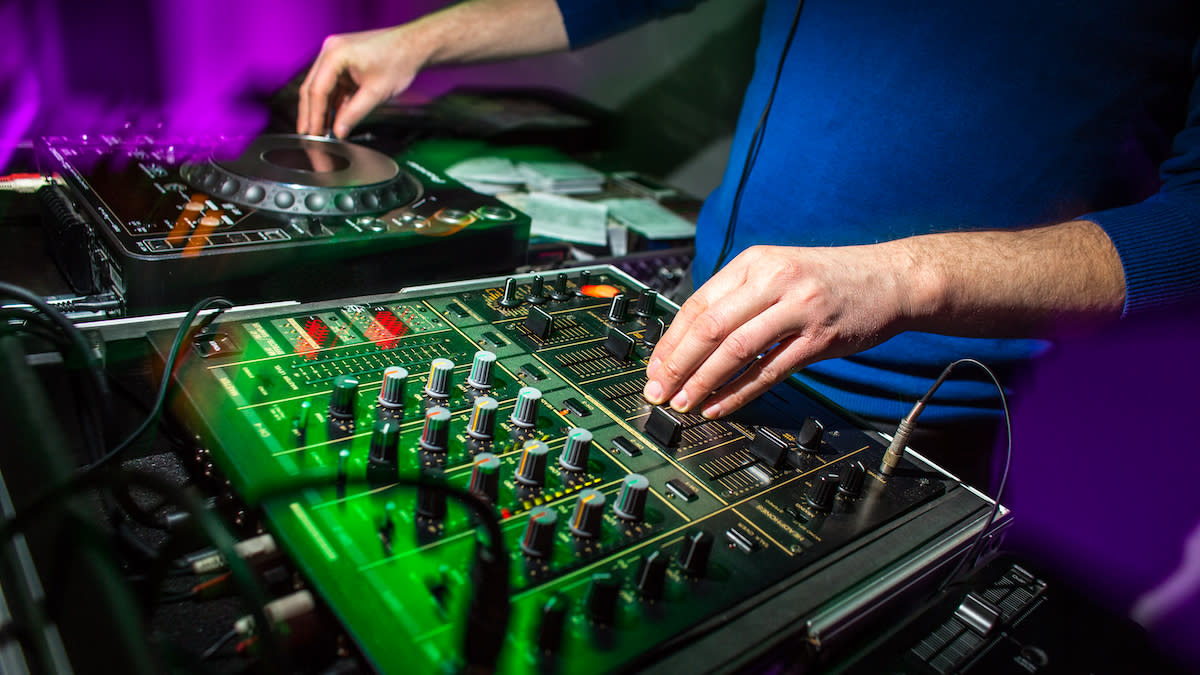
(792, 306)
(357, 71)
(774, 310)
(354, 73)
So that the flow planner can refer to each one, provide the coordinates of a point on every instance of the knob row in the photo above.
(587, 519)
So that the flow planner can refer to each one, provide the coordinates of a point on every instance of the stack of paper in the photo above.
(649, 218)
(561, 177)
(488, 175)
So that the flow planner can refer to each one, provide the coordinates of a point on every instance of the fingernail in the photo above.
(653, 367)
(712, 412)
(680, 401)
(653, 392)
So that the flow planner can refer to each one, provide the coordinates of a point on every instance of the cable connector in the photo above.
(253, 550)
(895, 451)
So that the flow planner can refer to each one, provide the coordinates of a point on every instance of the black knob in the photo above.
(395, 381)
(585, 279)
(560, 292)
(550, 629)
(820, 497)
(616, 311)
(438, 384)
(645, 303)
(537, 291)
(694, 552)
(382, 468)
(654, 331)
(538, 540)
(483, 418)
(651, 577)
(588, 518)
(852, 482)
(485, 477)
(532, 469)
(525, 413)
(809, 436)
(435, 435)
(631, 500)
(481, 370)
(510, 299)
(600, 599)
(345, 394)
(574, 456)
(431, 501)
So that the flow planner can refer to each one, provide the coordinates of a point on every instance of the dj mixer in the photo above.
(631, 536)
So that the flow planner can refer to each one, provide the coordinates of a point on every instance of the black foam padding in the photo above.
(663, 427)
(619, 345)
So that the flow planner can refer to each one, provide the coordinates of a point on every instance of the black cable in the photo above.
(756, 143)
(899, 441)
(216, 646)
(165, 384)
(56, 498)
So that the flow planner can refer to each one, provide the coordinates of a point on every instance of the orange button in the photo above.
(600, 291)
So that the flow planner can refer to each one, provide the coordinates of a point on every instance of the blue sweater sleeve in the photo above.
(1158, 239)
(589, 21)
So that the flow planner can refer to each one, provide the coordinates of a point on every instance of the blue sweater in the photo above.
(895, 118)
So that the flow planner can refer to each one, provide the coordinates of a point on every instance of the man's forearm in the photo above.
(1036, 282)
(484, 30)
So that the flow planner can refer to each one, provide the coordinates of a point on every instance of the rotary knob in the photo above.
(600, 599)
(483, 418)
(481, 370)
(485, 477)
(560, 291)
(852, 483)
(525, 413)
(395, 381)
(538, 539)
(645, 303)
(821, 496)
(381, 459)
(438, 385)
(431, 501)
(651, 577)
(532, 469)
(537, 290)
(694, 553)
(588, 518)
(435, 435)
(810, 434)
(617, 310)
(509, 298)
(574, 456)
(550, 628)
(631, 500)
(345, 393)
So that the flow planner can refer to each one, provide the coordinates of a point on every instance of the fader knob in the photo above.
(616, 311)
(537, 291)
(574, 456)
(651, 577)
(538, 539)
(485, 477)
(345, 393)
(438, 384)
(395, 381)
(654, 331)
(852, 482)
(525, 413)
(381, 459)
(588, 518)
(645, 303)
(509, 298)
(600, 599)
(694, 552)
(532, 469)
(821, 496)
(482, 425)
(481, 370)
(631, 500)
(435, 435)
